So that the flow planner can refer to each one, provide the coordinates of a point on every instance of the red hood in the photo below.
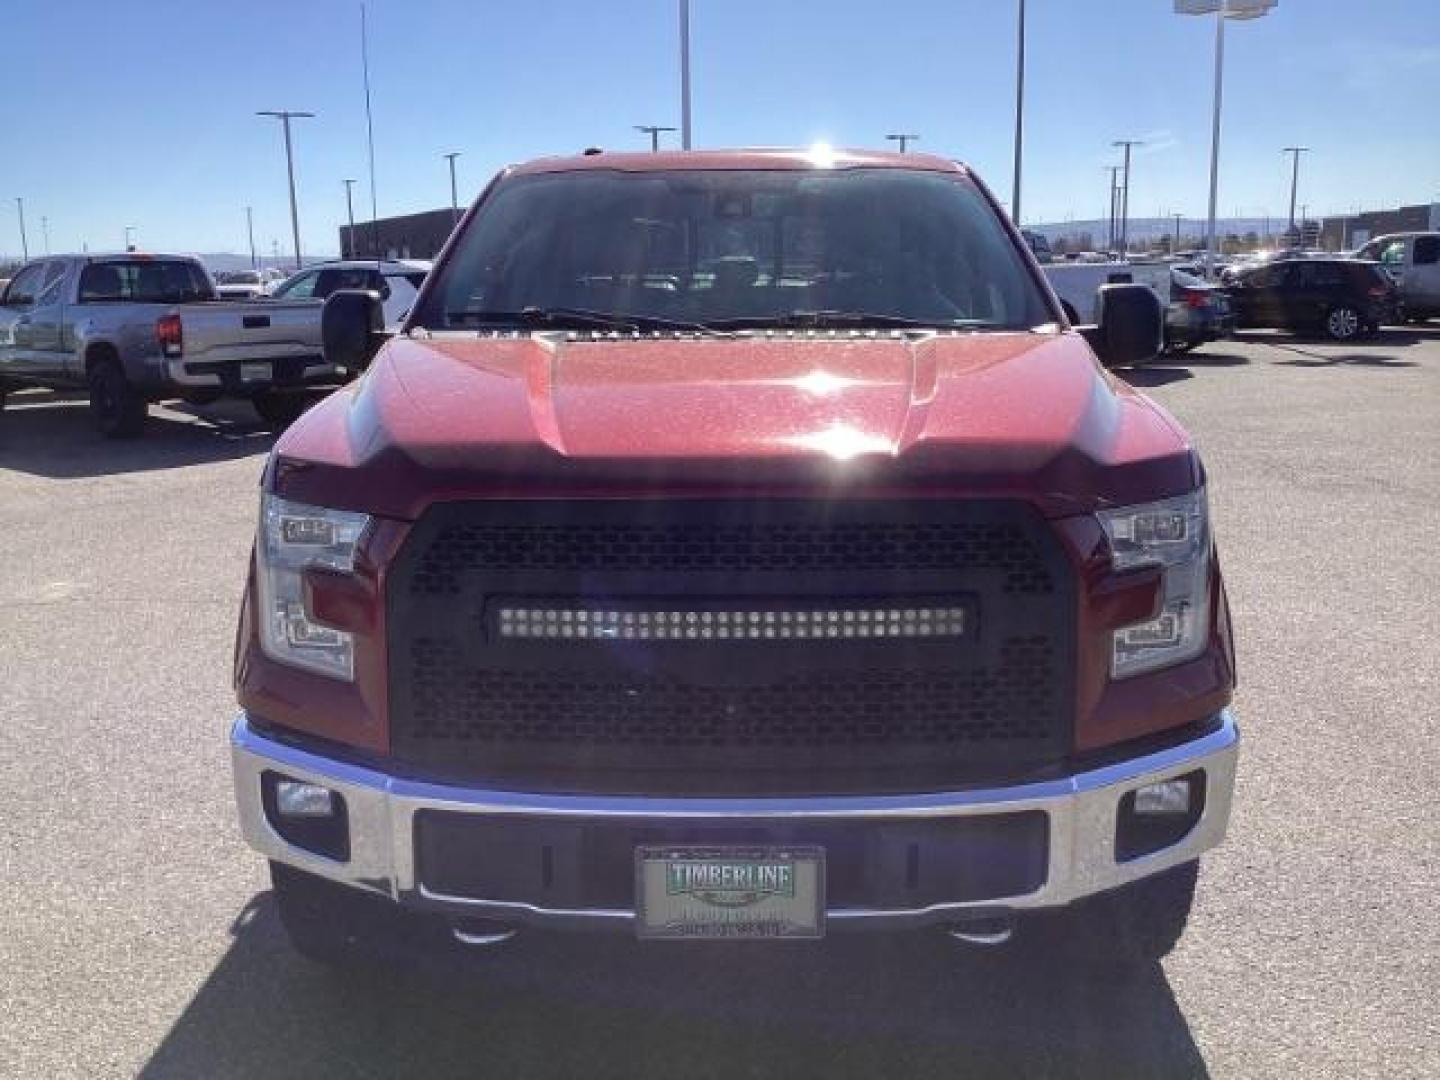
(1023, 414)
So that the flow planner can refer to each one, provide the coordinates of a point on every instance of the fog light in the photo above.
(294, 798)
(1163, 799)
(1158, 815)
(310, 816)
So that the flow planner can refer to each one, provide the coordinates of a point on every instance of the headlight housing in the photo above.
(1173, 534)
(294, 536)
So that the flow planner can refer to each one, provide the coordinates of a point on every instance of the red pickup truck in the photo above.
(730, 545)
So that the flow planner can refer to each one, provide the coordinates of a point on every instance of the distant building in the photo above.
(413, 236)
(1350, 231)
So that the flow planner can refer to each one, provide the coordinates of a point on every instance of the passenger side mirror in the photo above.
(1131, 328)
(352, 328)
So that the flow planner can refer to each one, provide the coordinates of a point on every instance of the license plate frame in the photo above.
(768, 892)
(257, 371)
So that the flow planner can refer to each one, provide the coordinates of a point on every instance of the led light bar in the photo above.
(611, 624)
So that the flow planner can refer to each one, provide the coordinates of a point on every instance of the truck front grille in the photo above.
(697, 715)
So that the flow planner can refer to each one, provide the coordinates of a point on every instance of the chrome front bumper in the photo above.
(1081, 809)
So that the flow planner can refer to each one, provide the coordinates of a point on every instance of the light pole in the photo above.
(1019, 112)
(685, 74)
(350, 216)
(1176, 246)
(24, 243)
(45, 232)
(454, 192)
(1222, 10)
(128, 230)
(653, 130)
(250, 232)
(1125, 195)
(1113, 170)
(285, 116)
(903, 140)
(1294, 152)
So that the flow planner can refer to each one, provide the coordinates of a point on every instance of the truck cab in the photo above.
(729, 545)
(1413, 260)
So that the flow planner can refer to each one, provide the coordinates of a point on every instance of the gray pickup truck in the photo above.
(137, 328)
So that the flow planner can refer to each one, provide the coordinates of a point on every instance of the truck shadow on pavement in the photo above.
(549, 1005)
(51, 435)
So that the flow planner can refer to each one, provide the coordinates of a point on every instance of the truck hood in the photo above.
(455, 416)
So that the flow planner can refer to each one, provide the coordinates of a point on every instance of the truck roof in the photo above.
(120, 256)
(776, 158)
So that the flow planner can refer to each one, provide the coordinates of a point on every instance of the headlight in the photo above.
(1175, 535)
(292, 537)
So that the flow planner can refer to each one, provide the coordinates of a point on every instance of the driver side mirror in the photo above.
(352, 328)
(1131, 329)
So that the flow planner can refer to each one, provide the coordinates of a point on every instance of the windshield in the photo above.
(739, 248)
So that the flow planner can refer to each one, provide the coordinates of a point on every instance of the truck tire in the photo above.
(341, 927)
(1119, 931)
(117, 407)
(279, 410)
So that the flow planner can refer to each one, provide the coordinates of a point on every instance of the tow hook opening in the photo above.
(988, 931)
(481, 932)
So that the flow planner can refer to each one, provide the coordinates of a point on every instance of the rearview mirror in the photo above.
(1131, 329)
(352, 328)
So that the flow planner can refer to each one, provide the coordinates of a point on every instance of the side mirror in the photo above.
(352, 328)
(1131, 328)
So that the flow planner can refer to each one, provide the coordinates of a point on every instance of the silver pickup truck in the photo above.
(137, 328)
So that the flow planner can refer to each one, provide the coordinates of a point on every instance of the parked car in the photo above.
(239, 284)
(735, 544)
(1079, 284)
(396, 280)
(1340, 298)
(1413, 261)
(136, 328)
(1198, 311)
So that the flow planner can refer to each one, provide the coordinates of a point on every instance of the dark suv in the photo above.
(1342, 298)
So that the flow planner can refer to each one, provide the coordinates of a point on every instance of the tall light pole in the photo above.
(1294, 152)
(903, 140)
(653, 130)
(1115, 192)
(1176, 246)
(1125, 195)
(250, 232)
(1222, 10)
(1019, 113)
(45, 232)
(454, 191)
(350, 216)
(285, 116)
(128, 230)
(685, 74)
(24, 243)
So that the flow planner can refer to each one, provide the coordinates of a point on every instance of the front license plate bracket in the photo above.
(729, 893)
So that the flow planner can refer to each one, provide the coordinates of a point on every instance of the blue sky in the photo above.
(141, 113)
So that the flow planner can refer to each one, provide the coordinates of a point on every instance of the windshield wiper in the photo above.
(567, 318)
(826, 319)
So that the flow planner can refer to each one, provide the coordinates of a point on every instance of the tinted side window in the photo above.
(22, 291)
(1427, 250)
(347, 277)
(1318, 275)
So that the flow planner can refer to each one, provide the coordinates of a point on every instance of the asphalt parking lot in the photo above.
(139, 935)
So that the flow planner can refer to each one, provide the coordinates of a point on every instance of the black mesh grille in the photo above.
(772, 549)
(722, 716)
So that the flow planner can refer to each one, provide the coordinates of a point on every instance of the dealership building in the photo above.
(1349, 232)
(413, 236)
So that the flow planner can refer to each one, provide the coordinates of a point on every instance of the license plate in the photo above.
(254, 372)
(730, 893)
